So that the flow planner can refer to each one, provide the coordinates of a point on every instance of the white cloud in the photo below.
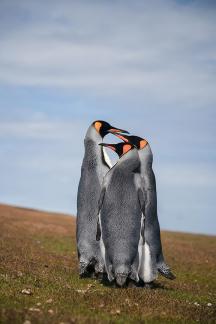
(161, 50)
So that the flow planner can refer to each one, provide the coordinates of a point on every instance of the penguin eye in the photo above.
(126, 148)
(98, 126)
(143, 143)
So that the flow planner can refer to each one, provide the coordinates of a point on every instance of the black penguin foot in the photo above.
(86, 274)
(86, 270)
(167, 273)
(149, 285)
(83, 270)
(99, 275)
(134, 284)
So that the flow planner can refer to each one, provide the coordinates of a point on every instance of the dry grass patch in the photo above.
(39, 280)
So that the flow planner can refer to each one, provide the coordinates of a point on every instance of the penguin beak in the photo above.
(114, 130)
(122, 137)
(111, 146)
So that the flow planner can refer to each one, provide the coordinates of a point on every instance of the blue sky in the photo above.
(146, 66)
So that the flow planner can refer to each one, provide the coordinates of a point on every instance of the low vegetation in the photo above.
(39, 280)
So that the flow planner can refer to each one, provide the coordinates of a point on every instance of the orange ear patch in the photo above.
(126, 148)
(98, 126)
(143, 143)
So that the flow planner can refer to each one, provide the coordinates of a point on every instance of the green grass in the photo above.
(38, 252)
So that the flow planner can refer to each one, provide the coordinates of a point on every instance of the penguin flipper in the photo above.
(100, 203)
(98, 233)
(165, 271)
(140, 192)
(142, 207)
(142, 230)
(101, 198)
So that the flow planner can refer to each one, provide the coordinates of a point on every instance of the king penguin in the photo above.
(120, 215)
(152, 258)
(94, 167)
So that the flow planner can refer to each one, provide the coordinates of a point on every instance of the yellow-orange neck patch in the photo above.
(143, 143)
(126, 148)
(98, 126)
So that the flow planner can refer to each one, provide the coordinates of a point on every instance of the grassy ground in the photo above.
(38, 256)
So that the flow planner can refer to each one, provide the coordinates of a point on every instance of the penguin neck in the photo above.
(93, 135)
(146, 157)
(94, 153)
(129, 162)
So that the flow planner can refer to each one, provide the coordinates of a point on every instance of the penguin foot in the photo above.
(149, 285)
(82, 269)
(99, 275)
(86, 274)
(86, 270)
(99, 267)
(167, 273)
(134, 284)
(134, 276)
(106, 282)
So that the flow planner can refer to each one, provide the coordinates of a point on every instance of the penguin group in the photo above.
(118, 233)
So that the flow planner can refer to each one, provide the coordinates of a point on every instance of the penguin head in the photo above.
(103, 128)
(137, 141)
(119, 148)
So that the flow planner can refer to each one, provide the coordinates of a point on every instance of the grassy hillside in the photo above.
(39, 280)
